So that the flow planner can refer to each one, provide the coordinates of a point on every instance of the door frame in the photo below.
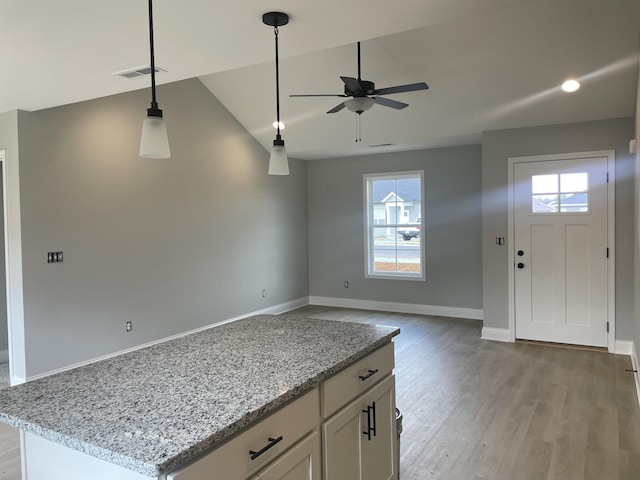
(611, 231)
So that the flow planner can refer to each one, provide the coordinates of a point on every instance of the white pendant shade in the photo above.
(154, 142)
(278, 162)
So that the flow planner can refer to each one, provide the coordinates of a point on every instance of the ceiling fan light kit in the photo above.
(278, 161)
(154, 142)
(359, 105)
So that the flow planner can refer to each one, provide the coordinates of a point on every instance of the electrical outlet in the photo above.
(346, 284)
(264, 293)
(128, 326)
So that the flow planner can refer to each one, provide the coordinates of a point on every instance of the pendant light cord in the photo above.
(154, 103)
(275, 29)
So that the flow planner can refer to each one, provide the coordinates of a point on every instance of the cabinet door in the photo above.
(341, 442)
(302, 462)
(379, 453)
(351, 448)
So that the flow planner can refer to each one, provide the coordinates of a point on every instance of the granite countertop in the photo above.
(154, 409)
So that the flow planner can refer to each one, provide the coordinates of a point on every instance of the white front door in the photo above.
(560, 250)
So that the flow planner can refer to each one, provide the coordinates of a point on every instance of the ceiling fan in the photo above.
(364, 94)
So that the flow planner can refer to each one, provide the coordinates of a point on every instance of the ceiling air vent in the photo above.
(137, 71)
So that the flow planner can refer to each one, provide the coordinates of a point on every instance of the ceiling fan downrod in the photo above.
(359, 73)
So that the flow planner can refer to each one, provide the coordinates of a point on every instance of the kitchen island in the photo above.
(150, 412)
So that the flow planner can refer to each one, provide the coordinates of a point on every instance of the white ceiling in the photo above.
(490, 63)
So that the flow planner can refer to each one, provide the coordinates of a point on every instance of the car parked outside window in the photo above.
(410, 231)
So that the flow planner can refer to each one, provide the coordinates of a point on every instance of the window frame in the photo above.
(370, 225)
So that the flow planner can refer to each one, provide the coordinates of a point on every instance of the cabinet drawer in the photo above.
(232, 461)
(343, 387)
(302, 462)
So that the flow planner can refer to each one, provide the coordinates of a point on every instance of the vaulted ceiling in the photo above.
(489, 63)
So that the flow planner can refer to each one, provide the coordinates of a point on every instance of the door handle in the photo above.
(368, 432)
(371, 414)
(520, 265)
(373, 429)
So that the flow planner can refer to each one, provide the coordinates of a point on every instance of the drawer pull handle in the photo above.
(368, 375)
(272, 442)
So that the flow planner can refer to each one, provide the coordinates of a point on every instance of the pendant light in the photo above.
(154, 142)
(278, 162)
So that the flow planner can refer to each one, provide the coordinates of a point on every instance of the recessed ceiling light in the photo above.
(275, 125)
(570, 85)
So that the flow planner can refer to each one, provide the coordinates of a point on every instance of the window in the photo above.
(560, 193)
(393, 226)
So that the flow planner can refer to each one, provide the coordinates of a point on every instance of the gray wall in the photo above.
(8, 142)
(452, 178)
(171, 245)
(497, 147)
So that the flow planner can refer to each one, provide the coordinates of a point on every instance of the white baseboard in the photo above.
(433, 310)
(623, 347)
(636, 366)
(274, 310)
(496, 334)
(4, 356)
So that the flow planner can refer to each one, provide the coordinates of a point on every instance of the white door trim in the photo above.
(611, 264)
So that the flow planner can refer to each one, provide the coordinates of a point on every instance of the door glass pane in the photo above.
(574, 202)
(574, 182)
(544, 203)
(544, 184)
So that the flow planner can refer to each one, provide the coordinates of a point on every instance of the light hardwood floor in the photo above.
(480, 410)
(9, 453)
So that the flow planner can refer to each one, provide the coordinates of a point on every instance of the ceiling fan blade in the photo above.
(352, 84)
(412, 87)
(387, 102)
(337, 108)
(321, 95)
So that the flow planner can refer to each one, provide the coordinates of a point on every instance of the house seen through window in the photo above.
(394, 228)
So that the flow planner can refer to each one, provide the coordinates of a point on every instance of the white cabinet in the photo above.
(359, 441)
(257, 446)
(301, 463)
(346, 385)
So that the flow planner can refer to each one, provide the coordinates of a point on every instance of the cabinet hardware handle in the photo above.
(368, 432)
(368, 375)
(272, 442)
(374, 418)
